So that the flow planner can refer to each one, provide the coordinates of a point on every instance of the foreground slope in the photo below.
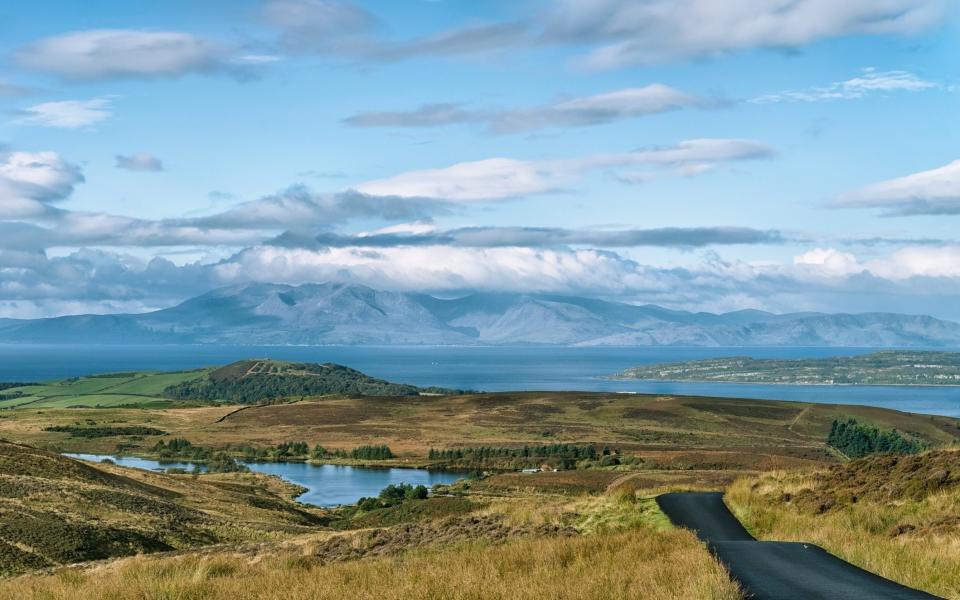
(355, 314)
(56, 510)
(896, 516)
(776, 570)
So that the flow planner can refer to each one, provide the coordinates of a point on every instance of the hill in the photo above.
(257, 381)
(243, 382)
(56, 510)
(879, 368)
(355, 314)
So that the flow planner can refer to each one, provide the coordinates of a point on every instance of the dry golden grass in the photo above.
(914, 541)
(640, 563)
(668, 432)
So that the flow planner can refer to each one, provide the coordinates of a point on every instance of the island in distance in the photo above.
(879, 368)
(321, 314)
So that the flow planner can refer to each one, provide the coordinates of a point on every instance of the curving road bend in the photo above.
(776, 570)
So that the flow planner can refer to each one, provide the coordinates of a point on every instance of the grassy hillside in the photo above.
(475, 543)
(243, 382)
(116, 389)
(898, 516)
(258, 381)
(55, 510)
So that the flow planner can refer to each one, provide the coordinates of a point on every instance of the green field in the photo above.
(121, 389)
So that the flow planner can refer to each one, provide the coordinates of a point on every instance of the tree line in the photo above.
(574, 451)
(856, 440)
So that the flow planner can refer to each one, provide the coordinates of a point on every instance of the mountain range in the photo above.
(266, 314)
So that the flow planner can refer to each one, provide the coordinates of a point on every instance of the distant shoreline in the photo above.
(793, 384)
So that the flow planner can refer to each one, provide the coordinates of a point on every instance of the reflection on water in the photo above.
(327, 485)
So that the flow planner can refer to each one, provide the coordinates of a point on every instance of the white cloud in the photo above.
(871, 81)
(439, 268)
(141, 161)
(502, 178)
(901, 265)
(68, 114)
(112, 53)
(490, 179)
(31, 180)
(631, 32)
(910, 262)
(829, 261)
(587, 110)
(933, 192)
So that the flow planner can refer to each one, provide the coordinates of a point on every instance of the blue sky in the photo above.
(701, 155)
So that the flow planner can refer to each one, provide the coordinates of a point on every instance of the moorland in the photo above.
(582, 512)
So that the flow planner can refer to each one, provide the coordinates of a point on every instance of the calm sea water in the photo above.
(479, 368)
(327, 485)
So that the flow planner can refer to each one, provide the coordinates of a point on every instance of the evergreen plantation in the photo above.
(857, 440)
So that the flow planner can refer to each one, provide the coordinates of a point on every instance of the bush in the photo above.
(369, 504)
(396, 494)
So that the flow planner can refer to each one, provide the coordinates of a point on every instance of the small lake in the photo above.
(327, 485)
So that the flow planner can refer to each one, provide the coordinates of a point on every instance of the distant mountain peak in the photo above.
(353, 314)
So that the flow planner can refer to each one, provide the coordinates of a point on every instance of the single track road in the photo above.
(776, 570)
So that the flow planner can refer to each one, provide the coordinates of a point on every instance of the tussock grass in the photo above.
(640, 563)
(914, 540)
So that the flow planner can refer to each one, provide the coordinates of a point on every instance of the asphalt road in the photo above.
(776, 570)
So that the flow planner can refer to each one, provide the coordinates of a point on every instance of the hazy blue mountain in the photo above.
(354, 314)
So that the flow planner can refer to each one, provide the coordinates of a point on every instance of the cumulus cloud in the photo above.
(30, 181)
(630, 33)
(933, 192)
(829, 261)
(588, 110)
(67, 114)
(911, 262)
(870, 82)
(142, 161)
(85, 281)
(120, 53)
(502, 178)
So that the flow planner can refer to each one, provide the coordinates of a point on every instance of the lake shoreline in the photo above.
(317, 484)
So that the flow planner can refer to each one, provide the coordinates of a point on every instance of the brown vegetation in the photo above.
(893, 515)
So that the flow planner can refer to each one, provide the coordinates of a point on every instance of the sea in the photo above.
(485, 368)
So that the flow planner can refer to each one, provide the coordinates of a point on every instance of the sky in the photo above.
(784, 155)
